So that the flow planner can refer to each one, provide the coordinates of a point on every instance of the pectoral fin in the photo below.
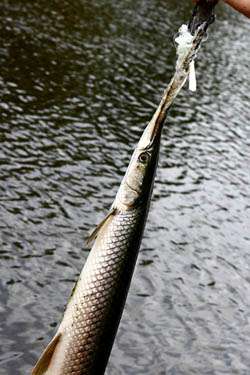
(95, 232)
(44, 361)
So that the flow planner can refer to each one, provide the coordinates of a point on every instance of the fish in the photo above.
(84, 339)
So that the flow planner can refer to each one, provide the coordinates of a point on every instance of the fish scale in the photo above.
(97, 303)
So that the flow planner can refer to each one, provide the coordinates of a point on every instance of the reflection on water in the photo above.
(78, 82)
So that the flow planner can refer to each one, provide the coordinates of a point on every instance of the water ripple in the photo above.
(78, 83)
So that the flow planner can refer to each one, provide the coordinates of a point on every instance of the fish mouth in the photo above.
(203, 14)
(151, 135)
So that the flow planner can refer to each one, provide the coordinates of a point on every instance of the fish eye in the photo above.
(144, 157)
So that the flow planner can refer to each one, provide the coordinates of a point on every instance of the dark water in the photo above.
(79, 80)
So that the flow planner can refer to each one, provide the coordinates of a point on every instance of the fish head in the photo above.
(137, 183)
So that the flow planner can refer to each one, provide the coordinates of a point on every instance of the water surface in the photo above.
(79, 80)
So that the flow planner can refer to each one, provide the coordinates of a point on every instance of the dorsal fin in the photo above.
(97, 229)
(44, 361)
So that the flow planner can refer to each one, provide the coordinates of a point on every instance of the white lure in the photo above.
(184, 41)
(192, 77)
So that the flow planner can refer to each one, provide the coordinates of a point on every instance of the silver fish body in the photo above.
(85, 336)
(93, 314)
